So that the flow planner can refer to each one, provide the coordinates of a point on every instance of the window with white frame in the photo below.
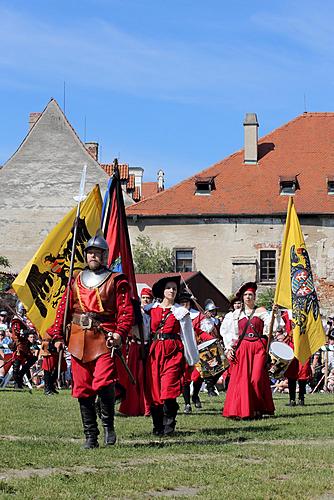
(267, 265)
(183, 260)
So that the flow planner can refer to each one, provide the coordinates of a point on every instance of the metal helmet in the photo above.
(20, 308)
(98, 241)
(209, 305)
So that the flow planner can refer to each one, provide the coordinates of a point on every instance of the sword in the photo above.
(118, 352)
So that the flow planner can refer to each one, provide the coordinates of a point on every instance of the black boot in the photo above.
(88, 415)
(292, 391)
(107, 405)
(195, 397)
(47, 383)
(186, 397)
(170, 411)
(302, 391)
(17, 375)
(53, 382)
(157, 415)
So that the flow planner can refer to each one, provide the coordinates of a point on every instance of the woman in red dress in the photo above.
(249, 394)
(166, 361)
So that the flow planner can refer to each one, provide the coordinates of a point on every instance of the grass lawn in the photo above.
(290, 455)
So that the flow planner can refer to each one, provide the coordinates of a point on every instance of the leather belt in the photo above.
(88, 321)
(251, 335)
(166, 336)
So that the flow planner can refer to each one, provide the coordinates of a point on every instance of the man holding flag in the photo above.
(295, 290)
(100, 317)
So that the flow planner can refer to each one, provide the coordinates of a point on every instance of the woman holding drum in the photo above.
(173, 343)
(249, 394)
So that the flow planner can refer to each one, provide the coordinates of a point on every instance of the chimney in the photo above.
(161, 181)
(93, 149)
(33, 117)
(251, 126)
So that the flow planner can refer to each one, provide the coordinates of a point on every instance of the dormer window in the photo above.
(288, 185)
(330, 185)
(204, 185)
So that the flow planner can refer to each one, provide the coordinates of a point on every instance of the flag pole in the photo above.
(81, 197)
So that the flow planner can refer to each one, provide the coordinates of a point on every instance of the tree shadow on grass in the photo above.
(302, 414)
(227, 430)
(168, 442)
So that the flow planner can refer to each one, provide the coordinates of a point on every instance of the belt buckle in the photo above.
(85, 322)
(251, 335)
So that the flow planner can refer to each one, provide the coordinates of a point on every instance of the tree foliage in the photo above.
(266, 298)
(5, 280)
(152, 258)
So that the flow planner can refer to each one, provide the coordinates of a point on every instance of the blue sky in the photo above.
(164, 83)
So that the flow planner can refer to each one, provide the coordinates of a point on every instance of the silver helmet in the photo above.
(98, 241)
(20, 308)
(209, 305)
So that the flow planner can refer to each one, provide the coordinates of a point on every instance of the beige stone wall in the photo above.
(227, 251)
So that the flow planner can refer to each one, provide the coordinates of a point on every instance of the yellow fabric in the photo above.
(42, 281)
(295, 289)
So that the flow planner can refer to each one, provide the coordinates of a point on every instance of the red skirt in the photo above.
(165, 368)
(249, 393)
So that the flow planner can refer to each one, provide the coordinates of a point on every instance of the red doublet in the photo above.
(296, 370)
(165, 365)
(92, 365)
(22, 347)
(249, 392)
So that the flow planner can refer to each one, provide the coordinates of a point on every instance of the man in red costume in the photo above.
(23, 358)
(100, 315)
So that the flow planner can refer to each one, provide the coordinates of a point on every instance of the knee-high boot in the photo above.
(186, 397)
(170, 411)
(47, 383)
(302, 391)
(17, 376)
(157, 415)
(292, 391)
(107, 406)
(195, 397)
(88, 416)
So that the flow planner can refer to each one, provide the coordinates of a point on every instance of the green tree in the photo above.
(266, 298)
(5, 280)
(152, 258)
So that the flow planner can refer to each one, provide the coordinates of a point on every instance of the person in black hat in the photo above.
(166, 360)
(249, 394)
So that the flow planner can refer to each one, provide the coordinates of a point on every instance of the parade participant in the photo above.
(192, 374)
(100, 315)
(50, 359)
(296, 370)
(169, 323)
(23, 358)
(210, 310)
(135, 401)
(227, 333)
(249, 394)
(3, 320)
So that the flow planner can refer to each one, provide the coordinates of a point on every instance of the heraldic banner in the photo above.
(295, 290)
(42, 282)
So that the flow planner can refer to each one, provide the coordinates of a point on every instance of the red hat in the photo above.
(146, 291)
(245, 287)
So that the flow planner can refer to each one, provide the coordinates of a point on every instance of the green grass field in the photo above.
(290, 455)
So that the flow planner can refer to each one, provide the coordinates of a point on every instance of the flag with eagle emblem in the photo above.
(295, 290)
(42, 282)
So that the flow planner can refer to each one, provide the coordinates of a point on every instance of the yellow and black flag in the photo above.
(42, 282)
(295, 290)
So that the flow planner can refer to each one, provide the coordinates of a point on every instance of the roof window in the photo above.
(204, 185)
(330, 185)
(288, 185)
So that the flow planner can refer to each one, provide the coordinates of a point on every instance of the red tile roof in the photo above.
(150, 279)
(148, 189)
(303, 147)
(123, 170)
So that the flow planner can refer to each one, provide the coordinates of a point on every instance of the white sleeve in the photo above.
(188, 340)
(227, 330)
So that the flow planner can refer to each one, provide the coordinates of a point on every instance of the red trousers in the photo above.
(50, 363)
(165, 369)
(89, 378)
(249, 392)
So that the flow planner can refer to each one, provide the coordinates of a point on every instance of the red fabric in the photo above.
(147, 292)
(187, 375)
(89, 378)
(135, 403)
(296, 370)
(166, 360)
(249, 390)
(50, 363)
(304, 370)
(196, 376)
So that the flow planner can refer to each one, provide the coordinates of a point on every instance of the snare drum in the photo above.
(281, 355)
(212, 359)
